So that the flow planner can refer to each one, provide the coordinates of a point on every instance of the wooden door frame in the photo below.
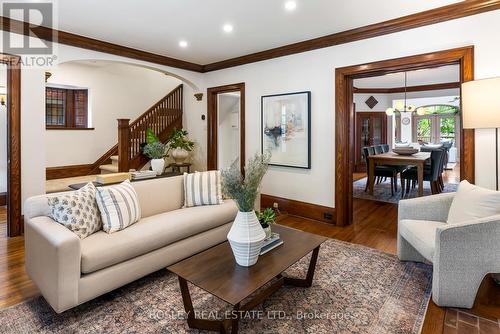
(14, 221)
(344, 117)
(212, 122)
(357, 129)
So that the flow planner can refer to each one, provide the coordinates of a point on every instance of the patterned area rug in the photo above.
(382, 191)
(356, 290)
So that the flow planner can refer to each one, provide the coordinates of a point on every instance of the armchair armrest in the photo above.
(435, 207)
(53, 258)
(465, 253)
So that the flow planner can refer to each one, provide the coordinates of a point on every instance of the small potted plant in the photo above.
(266, 219)
(246, 235)
(156, 152)
(180, 145)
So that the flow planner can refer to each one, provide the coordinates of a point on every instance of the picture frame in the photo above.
(286, 129)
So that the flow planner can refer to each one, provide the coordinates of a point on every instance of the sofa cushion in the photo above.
(77, 211)
(202, 188)
(421, 234)
(473, 202)
(159, 195)
(119, 206)
(102, 250)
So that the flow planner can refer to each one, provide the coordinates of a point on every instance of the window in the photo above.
(437, 124)
(66, 108)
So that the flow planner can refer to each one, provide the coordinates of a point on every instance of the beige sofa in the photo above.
(69, 271)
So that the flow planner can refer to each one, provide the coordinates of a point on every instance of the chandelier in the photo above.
(401, 106)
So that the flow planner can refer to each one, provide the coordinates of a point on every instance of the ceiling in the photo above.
(443, 74)
(158, 26)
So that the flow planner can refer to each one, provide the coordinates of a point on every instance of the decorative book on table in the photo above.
(144, 174)
(271, 243)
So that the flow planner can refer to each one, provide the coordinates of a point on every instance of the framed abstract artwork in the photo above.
(286, 129)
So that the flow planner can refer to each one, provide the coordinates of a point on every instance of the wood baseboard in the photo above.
(298, 208)
(3, 199)
(61, 172)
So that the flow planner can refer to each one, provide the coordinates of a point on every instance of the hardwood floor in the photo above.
(374, 226)
(15, 286)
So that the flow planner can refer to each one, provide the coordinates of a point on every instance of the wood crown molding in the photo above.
(420, 88)
(432, 16)
(298, 208)
(63, 37)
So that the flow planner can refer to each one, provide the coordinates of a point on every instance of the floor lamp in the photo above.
(481, 108)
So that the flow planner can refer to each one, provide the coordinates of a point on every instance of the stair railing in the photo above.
(162, 118)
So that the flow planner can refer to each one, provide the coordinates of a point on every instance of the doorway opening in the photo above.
(345, 139)
(226, 126)
(418, 110)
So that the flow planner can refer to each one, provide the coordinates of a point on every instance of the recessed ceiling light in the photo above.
(290, 5)
(183, 44)
(227, 27)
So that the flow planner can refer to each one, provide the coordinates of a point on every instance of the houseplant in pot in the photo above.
(266, 219)
(246, 235)
(156, 152)
(179, 145)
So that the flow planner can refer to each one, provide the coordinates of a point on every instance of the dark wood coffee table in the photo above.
(216, 272)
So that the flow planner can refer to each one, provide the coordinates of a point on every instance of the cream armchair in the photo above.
(461, 254)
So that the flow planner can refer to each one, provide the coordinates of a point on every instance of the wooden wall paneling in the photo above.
(420, 88)
(298, 208)
(15, 226)
(344, 143)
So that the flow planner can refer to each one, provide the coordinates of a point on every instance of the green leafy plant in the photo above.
(154, 150)
(244, 190)
(266, 217)
(178, 139)
(151, 137)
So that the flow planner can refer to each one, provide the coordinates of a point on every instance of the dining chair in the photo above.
(380, 171)
(432, 174)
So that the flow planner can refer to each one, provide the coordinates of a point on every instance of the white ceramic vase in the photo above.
(179, 155)
(158, 165)
(246, 238)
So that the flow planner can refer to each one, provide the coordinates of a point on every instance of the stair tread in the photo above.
(109, 167)
(114, 157)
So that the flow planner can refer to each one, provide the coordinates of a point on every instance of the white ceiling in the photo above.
(158, 25)
(443, 74)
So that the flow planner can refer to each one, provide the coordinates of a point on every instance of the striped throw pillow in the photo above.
(119, 206)
(202, 188)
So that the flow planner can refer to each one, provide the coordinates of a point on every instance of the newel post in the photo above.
(123, 144)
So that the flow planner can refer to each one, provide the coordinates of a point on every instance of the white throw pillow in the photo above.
(77, 210)
(202, 188)
(119, 206)
(473, 202)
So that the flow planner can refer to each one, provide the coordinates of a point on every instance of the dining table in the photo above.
(393, 159)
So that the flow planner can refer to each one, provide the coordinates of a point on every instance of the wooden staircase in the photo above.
(163, 117)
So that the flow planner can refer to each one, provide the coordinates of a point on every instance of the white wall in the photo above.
(228, 131)
(33, 134)
(315, 71)
(384, 102)
(115, 91)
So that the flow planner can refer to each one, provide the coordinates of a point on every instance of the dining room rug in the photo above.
(382, 191)
(355, 290)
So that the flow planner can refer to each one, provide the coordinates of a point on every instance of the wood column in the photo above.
(123, 144)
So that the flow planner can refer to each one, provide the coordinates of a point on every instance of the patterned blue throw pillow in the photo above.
(77, 210)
